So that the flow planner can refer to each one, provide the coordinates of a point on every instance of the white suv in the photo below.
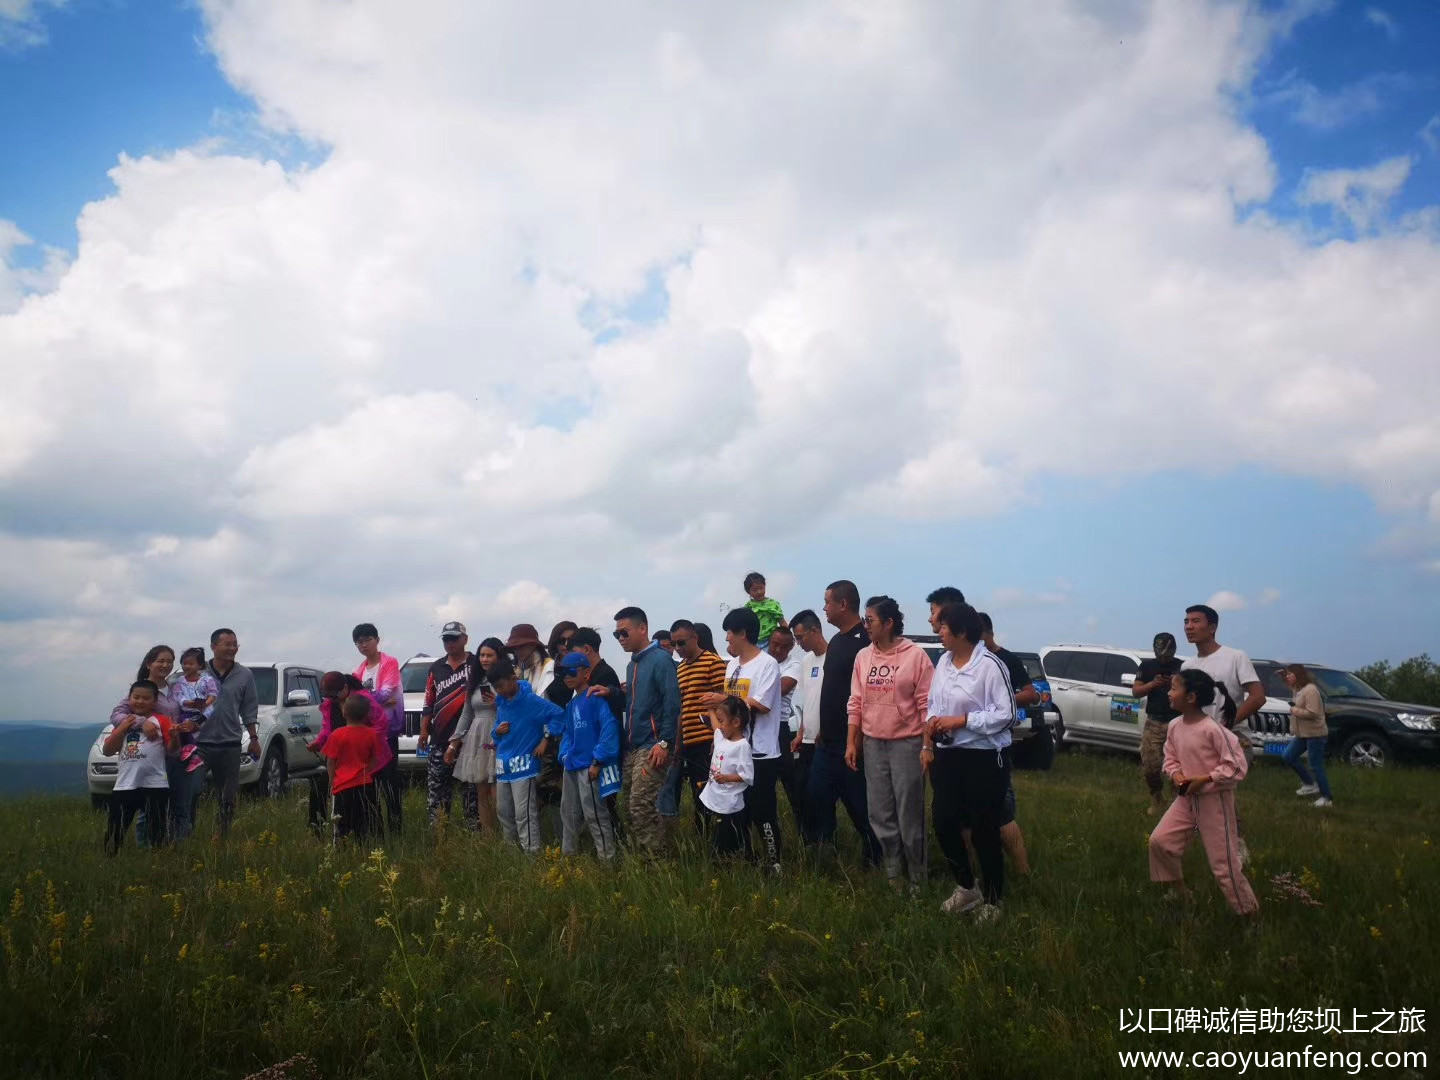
(287, 719)
(413, 675)
(1091, 686)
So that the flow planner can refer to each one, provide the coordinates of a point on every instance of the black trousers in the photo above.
(390, 788)
(731, 834)
(831, 779)
(802, 786)
(357, 813)
(969, 787)
(762, 809)
(695, 771)
(793, 791)
(124, 805)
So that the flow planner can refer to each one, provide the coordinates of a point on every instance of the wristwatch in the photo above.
(664, 744)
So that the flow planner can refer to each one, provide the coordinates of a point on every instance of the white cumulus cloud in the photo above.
(875, 242)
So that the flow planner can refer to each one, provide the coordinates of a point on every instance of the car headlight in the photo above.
(1417, 721)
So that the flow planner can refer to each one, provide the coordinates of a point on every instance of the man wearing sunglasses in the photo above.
(652, 717)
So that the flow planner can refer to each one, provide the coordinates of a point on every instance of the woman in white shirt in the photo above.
(966, 750)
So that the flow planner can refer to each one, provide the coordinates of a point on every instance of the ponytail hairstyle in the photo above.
(736, 708)
(887, 610)
(1200, 684)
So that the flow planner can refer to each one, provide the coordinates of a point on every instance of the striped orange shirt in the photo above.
(703, 675)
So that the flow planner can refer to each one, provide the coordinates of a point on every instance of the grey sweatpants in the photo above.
(581, 808)
(519, 804)
(895, 798)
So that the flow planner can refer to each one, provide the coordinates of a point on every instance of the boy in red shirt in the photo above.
(351, 754)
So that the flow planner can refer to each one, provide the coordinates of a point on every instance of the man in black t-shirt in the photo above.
(1025, 694)
(830, 777)
(1153, 683)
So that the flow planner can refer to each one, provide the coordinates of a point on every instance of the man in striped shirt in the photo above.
(700, 673)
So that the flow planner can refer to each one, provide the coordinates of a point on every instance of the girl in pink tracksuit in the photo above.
(1204, 761)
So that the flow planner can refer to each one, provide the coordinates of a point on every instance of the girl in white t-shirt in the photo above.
(732, 770)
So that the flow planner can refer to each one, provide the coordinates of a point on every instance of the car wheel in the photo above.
(1367, 749)
(272, 775)
(1057, 734)
(1036, 752)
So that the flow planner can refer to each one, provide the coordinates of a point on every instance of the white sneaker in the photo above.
(987, 913)
(962, 900)
(1322, 801)
(1307, 789)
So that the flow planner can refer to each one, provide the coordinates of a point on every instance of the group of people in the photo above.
(864, 719)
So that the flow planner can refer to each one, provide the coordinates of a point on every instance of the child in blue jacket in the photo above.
(590, 755)
(519, 736)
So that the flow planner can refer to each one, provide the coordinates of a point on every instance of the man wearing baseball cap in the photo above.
(446, 689)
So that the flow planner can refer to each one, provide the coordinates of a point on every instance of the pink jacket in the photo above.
(1198, 747)
(388, 691)
(378, 721)
(890, 691)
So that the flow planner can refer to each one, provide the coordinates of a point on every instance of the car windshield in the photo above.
(1032, 664)
(413, 676)
(266, 685)
(1334, 683)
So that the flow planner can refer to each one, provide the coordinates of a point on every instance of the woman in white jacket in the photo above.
(966, 751)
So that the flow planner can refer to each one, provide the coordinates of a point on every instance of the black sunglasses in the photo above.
(621, 635)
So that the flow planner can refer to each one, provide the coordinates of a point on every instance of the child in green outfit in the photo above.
(766, 610)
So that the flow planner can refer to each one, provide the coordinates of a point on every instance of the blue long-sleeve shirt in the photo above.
(527, 714)
(589, 734)
(652, 707)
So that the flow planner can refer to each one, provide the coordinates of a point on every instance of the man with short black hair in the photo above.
(652, 718)
(938, 600)
(811, 639)
(700, 673)
(380, 675)
(1025, 695)
(218, 739)
(830, 777)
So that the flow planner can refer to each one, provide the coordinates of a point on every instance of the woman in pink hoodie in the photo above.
(889, 693)
(1205, 762)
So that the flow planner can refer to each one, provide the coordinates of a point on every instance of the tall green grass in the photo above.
(449, 955)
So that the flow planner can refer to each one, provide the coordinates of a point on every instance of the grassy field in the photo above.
(451, 956)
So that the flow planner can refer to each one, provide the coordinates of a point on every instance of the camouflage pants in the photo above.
(1152, 754)
(647, 827)
(439, 792)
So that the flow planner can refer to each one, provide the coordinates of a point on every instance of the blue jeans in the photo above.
(1314, 749)
(185, 789)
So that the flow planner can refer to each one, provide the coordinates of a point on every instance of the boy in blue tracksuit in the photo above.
(590, 755)
(519, 736)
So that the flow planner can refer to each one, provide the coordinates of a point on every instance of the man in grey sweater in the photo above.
(219, 736)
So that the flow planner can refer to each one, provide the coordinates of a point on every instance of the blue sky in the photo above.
(1099, 559)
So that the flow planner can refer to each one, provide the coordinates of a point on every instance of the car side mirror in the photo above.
(298, 698)
(1127, 680)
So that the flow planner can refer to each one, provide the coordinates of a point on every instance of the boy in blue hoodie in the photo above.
(590, 755)
(519, 736)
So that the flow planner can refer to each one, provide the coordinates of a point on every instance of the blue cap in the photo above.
(574, 661)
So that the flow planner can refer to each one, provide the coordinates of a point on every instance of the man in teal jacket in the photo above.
(652, 718)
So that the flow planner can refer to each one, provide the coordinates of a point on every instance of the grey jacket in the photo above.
(236, 707)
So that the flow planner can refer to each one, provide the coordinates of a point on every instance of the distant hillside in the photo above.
(39, 757)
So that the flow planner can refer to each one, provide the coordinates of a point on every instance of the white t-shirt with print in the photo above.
(141, 760)
(759, 680)
(789, 669)
(725, 759)
(371, 678)
(1230, 668)
(807, 696)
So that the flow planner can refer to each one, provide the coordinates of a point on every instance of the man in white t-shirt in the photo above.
(810, 638)
(1231, 669)
(754, 677)
(782, 648)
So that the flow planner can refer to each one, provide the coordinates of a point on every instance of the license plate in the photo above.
(422, 753)
(1275, 749)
